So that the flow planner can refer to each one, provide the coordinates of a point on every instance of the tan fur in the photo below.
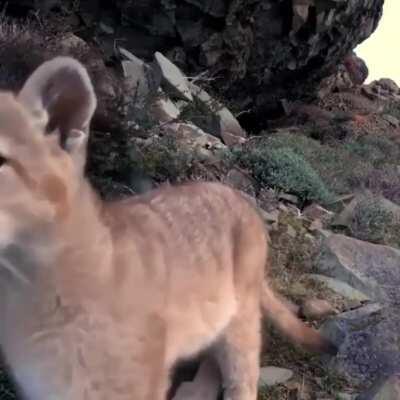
(98, 301)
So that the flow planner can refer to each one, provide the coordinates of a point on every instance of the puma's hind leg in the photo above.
(237, 353)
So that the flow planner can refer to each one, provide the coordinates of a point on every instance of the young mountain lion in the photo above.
(99, 300)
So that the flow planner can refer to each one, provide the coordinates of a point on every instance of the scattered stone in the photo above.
(108, 29)
(251, 199)
(316, 225)
(283, 207)
(344, 199)
(270, 376)
(290, 198)
(322, 233)
(240, 180)
(291, 231)
(339, 287)
(231, 140)
(270, 217)
(173, 78)
(303, 112)
(228, 124)
(392, 120)
(195, 140)
(356, 68)
(345, 396)
(383, 389)
(315, 211)
(383, 89)
(316, 309)
(135, 74)
(164, 110)
(389, 85)
(71, 41)
(268, 199)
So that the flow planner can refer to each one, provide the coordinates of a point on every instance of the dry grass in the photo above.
(291, 258)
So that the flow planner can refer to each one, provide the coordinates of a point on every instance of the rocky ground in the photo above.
(325, 173)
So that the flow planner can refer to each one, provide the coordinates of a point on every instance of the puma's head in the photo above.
(38, 174)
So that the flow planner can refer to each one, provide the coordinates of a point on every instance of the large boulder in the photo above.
(383, 389)
(259, 51)
(372, 269)
(369, 337)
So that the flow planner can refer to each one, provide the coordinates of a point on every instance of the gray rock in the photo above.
(315, 211)
(392, 120)
(372, 269)
(270, 216)
(382, 89)
(383, 389)
(193, 139)
(164, 110)
(369, 336)
(227, 122)
(230, 139)
(240, 180)
(214, 8)
(366, 341)
(135, 74)
(252, 59)
(270, 376)
(339, 328)
(389, 84)
(173, 78)
(345, 396)
(339, 287)
(290, 198)
(291, 231)
(316, 309)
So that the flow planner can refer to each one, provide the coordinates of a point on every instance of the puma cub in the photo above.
(99, 300)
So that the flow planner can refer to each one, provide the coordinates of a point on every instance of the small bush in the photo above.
(370, 161)
(162, 159)
(374, 223)
(282, 168)
(393, 108)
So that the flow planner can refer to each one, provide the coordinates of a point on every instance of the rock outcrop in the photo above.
(259, 51)
(368, 336)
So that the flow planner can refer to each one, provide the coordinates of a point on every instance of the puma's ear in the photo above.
(60, 96)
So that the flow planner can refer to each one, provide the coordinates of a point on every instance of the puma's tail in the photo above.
(292, 327)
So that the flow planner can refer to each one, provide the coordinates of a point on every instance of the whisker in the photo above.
(6, 264)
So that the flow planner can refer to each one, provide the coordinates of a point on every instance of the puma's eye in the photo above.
(2, 160)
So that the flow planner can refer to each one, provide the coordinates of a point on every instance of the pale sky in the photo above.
(381, 51)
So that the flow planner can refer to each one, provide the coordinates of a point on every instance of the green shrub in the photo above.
(393, 108)
(374, 223)
(282, 168)
(370, 161)
(162, 159)
(377, 150)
